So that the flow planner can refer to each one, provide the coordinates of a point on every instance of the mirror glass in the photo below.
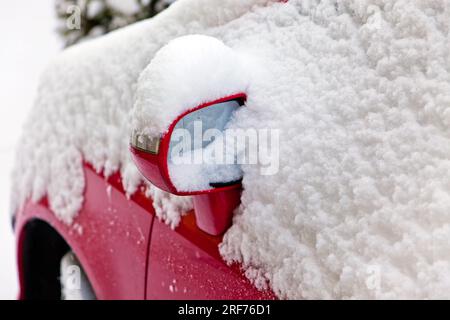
(200, 157)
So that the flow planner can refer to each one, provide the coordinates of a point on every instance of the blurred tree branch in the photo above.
(97, 17)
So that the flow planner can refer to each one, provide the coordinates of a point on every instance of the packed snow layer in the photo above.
(185, 73)
(82, 106)
(360, 207)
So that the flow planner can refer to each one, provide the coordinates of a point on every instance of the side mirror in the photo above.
(190, 159)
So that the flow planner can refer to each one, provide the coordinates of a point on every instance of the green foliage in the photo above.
(82, 19)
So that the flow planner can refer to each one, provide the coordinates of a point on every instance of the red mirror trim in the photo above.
(156, 165)
(165, 141)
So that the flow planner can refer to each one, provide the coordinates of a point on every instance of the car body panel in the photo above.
(185, 264)
(109, 236)
(128, 254)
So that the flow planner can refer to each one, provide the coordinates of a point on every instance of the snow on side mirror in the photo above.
(198, 160)
(192, 159)
(178, 142)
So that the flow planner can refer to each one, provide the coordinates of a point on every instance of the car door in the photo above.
(185, 264)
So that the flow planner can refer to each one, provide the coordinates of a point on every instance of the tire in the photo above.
(75, 284)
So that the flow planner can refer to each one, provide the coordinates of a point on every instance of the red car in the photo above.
(116, 248)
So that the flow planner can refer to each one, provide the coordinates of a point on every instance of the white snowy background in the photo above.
(28, 42)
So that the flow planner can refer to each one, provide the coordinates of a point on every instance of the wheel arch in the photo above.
(40, 251)
(109, 235)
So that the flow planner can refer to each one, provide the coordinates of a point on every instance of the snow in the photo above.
(201, 152)
(360, 91)
(82, 106)
(168, 207)
(25, 50)
(188, 176)
(360, 206)
(180, 78)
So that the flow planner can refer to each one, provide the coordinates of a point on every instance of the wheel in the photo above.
(75, 284)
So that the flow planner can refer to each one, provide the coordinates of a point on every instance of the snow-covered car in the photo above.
(98, 230)
(350, 197)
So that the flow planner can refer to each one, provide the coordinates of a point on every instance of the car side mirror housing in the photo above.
(190, 159)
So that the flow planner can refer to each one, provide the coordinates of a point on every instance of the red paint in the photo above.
(149, 166)
(214, 207)
(214, 211)
(116, 257)
(114, 241)
(185, 264)
(165, 141)
(113, 247)
(156, 167)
